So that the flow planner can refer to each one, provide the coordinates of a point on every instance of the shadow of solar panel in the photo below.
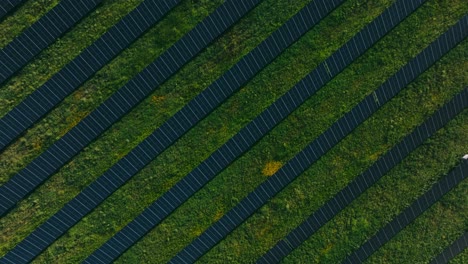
(394, 156)
(81, 68)
(452, 251)
(121, 102)
(8, 6)
(425, 201)
(41, 34)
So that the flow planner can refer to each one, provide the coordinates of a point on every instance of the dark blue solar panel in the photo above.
(439, 189)
(52, 25)
(80, 69)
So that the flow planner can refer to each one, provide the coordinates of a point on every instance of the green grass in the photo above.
(298, 200)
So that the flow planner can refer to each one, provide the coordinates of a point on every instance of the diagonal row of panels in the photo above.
(322, 144)
(452, 250)
(41, 34)
(84, 66)
(122, 101)
(6, 6)
(418, 207)
(364, 181)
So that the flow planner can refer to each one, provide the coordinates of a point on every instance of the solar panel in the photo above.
(369, 177)
(81, 68)
(117, 105)
(7, 6)
(452, 251)
(41, 34)
(425, 201)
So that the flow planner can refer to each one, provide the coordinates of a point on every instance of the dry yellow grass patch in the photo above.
(218, 215)
(271, 168)
(157, 99)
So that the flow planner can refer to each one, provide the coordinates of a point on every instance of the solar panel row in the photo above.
(452, 251)
(80, 69)
(121, 102)
(418, 207)
(8, 5)
(274, 45)
(41, 34)
(221, 19)
(364, 181)
(315, 150)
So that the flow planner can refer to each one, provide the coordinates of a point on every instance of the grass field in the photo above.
(419, 242)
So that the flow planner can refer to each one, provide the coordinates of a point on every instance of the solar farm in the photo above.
(233, 131)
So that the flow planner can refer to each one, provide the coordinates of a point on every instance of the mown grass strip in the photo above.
(316, 149)
(41, 34)
(367, 178)
(81, 68)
